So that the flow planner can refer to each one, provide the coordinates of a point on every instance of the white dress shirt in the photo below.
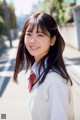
(52, 100)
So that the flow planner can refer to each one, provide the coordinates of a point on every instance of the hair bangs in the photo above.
(37, 22)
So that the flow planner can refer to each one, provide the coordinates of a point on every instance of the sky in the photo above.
(23, 6)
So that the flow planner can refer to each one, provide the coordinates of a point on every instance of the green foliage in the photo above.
(60, 12)
(12, 15)
(45, 7)
(1, 10)
(56, 9)
(2, 26)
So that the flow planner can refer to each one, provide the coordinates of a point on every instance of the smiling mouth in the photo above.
(33, 47)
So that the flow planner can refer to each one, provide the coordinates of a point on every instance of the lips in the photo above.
(34, 48)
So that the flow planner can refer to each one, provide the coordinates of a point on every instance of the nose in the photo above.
(33, 39)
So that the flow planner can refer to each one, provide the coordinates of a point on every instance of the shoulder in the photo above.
(53, 78)
(54, 84)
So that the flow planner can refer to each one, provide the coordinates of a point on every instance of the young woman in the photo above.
(40, 49)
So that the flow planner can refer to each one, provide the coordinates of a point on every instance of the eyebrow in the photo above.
(30, 31)
(36, 32)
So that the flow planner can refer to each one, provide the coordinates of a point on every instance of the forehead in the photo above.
(31, 28)
(36, 23)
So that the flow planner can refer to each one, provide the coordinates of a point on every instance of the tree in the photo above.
(2, 26)
(60, 18)
(54, 8)
(7, 20)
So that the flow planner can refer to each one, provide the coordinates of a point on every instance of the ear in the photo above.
(53, 40)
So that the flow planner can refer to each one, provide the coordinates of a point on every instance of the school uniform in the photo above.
(52, 100)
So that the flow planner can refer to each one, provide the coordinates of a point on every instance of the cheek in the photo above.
(45, 47)
(46, 44)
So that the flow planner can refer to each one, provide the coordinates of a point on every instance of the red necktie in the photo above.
(31, 80)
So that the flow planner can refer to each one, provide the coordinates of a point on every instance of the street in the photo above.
(72, 61)
(13, 97)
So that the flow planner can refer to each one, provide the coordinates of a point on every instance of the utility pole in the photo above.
(7, 20)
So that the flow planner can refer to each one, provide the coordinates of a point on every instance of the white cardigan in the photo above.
(52, 100)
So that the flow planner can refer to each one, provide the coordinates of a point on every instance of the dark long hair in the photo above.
(54, 57)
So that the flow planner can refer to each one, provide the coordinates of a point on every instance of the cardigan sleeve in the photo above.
(58, 94)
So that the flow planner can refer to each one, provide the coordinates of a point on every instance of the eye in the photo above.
(28, 34)
(40, 35)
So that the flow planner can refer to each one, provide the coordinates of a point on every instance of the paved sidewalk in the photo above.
(72, 54)
(13, 101)
(72, 61)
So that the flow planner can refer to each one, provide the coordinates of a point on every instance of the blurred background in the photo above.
(13, 15)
